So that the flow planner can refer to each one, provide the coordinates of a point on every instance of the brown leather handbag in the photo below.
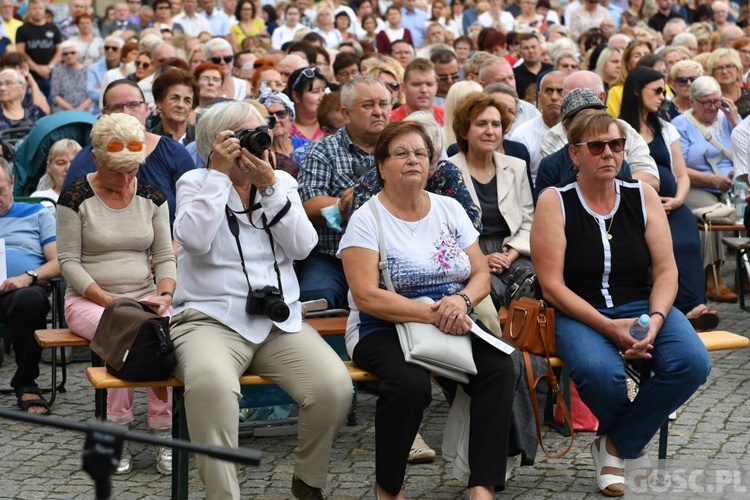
(530, 327)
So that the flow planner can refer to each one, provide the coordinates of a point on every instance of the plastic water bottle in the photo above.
(639, 330)
(739, 200)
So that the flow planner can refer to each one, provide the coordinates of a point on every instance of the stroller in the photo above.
(29, 159)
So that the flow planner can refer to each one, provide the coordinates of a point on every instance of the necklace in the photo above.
(606, 229)
(421, 215)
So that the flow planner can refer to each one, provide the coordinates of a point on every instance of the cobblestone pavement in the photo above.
(44, 463)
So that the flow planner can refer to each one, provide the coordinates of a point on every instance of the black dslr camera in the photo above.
(255, 140)
(267, 302)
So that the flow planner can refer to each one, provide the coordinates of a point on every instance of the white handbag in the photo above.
(424, 344)
(718, 213)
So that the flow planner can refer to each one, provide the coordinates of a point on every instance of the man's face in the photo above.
(550, 98)
(6, 8)
(6, 194)
(501, 72)
(208, 5)
(608, 27)
(530, 50)
(346, 74)
(287, 66)
(118, 98)
(420, 89)
(664, 4)
(190, 6)
(447, 75)
(36, 12)
(112, 52)
(146, 17)
(370, 111)
(76, 7)
(403, 53)
(162, 54)
(133, 6)
(121, 12)
(408, 5)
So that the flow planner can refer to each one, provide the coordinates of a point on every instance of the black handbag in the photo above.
(522, 283)
(134, 342)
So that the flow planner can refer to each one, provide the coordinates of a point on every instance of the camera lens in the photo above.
(278, 311)
(256, 141)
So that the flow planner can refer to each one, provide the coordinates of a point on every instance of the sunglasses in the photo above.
(597, 147)
(309, 74)
(448, 78)
(111, 49)
(117, 146)
(142, 64)
(217, 60)
(280, 114)
(684, 80)
(394, 86)
(659, 90)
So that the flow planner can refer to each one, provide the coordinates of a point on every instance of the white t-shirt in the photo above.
(530, 134)
(506, 19)
(431, 262)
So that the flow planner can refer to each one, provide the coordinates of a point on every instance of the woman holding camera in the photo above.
(240, 225)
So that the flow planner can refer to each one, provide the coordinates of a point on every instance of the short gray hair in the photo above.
(501, 88)
(115, 39)
(6, 168)
(703, 86)
(17, 76)
(684, 37)
(219, 117)
(350, 87)
(69, 44)
(216, 44)
(432, 128)
(117, 127)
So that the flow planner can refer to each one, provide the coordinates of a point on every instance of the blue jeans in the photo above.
(322, 277)
(679, 366)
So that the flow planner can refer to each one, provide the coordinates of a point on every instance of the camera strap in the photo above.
(234, 228)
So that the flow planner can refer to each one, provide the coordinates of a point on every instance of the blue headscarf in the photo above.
(268, 97)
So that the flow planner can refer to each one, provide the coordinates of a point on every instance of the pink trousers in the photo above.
(83, 317)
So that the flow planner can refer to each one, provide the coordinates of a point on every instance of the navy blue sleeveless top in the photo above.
(607, 261)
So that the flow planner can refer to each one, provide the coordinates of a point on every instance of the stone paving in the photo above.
(44, 463)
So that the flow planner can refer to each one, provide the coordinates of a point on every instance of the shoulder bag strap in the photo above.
(710, 139)
(383, 261)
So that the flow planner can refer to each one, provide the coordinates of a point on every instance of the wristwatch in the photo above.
(267, 191)
(34, 275)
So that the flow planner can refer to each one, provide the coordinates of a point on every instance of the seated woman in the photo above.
(174, 94)
(305, 89)
(68, 81)
(709, 166)
(630, 58)
(12, 112)
(725, 66)
(499, 186)
(282, 109)
(681, 78)
(643, 96)
(410, 215)
(210, 79)
(112, 229)
(241, 211)
(596, 274)
(60, 156)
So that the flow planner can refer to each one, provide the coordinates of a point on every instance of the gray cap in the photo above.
(579, 99)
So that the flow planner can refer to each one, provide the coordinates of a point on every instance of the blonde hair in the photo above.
(117, 127)
(733, 56)
(456, 94)
(685, 65)
(60, 147)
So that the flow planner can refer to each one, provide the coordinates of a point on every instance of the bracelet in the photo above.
(657, 313)
(466, 299)
(171, 295)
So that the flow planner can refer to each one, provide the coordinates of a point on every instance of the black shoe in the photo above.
(300, 489)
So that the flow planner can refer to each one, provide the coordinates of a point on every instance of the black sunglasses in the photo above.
(597, 147)
(394, 86)
(113, 49)
(280, 114)
(226, 59)
(684, 80)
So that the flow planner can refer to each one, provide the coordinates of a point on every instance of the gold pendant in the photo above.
(609, 236)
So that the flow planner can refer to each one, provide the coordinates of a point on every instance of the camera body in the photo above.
(254, 140)
(267, 302)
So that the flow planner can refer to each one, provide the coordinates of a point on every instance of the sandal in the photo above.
(26, 404)
(420, 453)
(603, 459)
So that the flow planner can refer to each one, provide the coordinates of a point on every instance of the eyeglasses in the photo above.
(597, 147)
(164, 7)
(448, 78)
(684, 80)
(142, 64)
(117, 108)
(348, 74)
(308, 73)
(659, 90)
(217, 60)
(402, 153)
(716, 103)
(724, 67)
(69, 53)
(278, 85)
(280, 114)
(111, 48)
(210, 79)
(117, 146)
(394, 86)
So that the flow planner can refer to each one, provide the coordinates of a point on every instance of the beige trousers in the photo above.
(210, 359)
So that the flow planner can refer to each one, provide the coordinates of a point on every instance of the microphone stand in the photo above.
(103, 446)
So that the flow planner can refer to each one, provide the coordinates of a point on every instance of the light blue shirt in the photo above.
(26, 229)
(415, 23)
(218, 21)
(95, 76)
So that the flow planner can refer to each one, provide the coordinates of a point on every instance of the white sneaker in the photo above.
(420, 453)
(126, 460)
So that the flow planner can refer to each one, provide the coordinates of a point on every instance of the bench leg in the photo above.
(179, 457)
(663, 440)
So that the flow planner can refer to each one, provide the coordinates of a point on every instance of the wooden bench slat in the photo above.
(60, 337)
(101, 379)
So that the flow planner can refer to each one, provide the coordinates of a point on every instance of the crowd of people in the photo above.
(574, 141)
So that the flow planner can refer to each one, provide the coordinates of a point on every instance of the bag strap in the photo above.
(552, 380)
(383, 257)
(710, 139)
